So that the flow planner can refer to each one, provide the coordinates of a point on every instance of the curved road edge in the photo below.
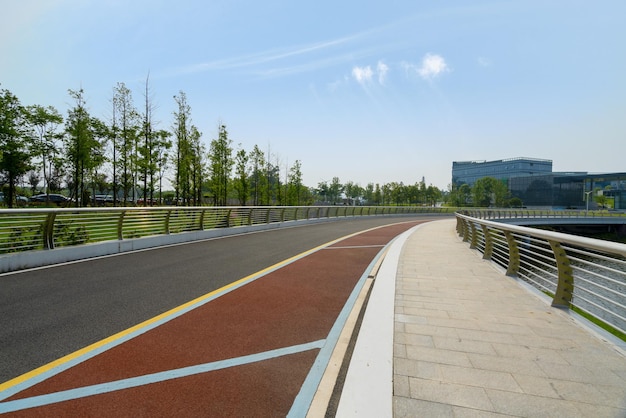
(371, 363)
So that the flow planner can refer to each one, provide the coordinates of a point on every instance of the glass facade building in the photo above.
(571, 190)
(467, 172)
(533, 181)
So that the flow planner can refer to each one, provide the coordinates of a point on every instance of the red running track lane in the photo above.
(244, 353)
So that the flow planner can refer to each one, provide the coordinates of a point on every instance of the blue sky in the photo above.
(361, 90)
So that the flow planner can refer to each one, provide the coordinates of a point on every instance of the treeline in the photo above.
(127, 158)
(485, 192)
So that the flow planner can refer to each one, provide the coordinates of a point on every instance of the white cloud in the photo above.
(432, 66)
(362, 75)
(365, 75)
(382, 69)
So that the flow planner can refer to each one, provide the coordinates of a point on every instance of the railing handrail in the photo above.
(581, 272)
(593, 243)
(508, 213)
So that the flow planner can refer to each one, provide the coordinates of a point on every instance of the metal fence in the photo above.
(45, 229)
(585, 273)
(537, 213)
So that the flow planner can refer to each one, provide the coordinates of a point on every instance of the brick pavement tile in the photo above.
(479, 377)
(450, 393)
(404, 407)
(436, 355)
(524, 405)
(417, 368)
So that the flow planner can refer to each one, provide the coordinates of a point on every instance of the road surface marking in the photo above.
(77, 393)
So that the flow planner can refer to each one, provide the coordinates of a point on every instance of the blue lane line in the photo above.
(303, 400)
(77, 393)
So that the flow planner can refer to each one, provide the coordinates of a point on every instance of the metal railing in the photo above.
(584, 273)
(496, 213)
(45, 229)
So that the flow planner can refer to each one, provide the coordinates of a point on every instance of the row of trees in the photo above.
(128, 158)
(485, 192)
(374, 194)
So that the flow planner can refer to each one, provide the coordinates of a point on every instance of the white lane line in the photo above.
(66, 395)
(355, 246)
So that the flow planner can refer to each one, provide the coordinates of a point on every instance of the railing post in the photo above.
(48, 231)
(466, 231)
(474, 237)
(166, 225)
(514, 258)
(565, 285)
(120, 226)
(488, 243)
(228, 218)
(201, 220)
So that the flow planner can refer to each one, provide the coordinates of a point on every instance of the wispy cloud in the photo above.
(279, 62)
(382, 70)
(365, 75)
(432, 66)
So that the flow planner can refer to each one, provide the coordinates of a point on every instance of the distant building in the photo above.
(570, 190)
(533, 181)
(467, 172)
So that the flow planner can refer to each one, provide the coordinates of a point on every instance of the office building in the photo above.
(467, 172)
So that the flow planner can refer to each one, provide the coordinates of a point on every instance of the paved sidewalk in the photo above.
(471, 342)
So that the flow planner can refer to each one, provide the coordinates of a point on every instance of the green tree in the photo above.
(44, 121)
(460, 195)
(84, 150)
(161, 149)
(335, 190)
(197, 165)
(323, 191)
(398, 193)
(368, 194)
(353, 192)
(295, 194)
(149, 151)
(183, 155)
(258, 181)
(433, 195)
(601, 198)
(489, 191)
(378, 195)
(241, 184)
(126, 131)
(221, 163)
(14, 154)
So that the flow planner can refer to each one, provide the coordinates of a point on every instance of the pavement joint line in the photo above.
(42, 373)
(77, 393)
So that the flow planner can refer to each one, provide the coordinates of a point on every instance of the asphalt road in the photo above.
(50, 312)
